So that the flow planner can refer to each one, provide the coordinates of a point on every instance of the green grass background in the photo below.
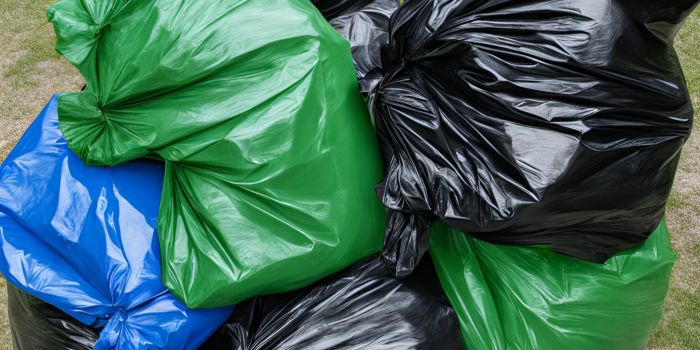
(31, 71)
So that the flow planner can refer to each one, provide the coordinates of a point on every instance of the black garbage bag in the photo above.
(551, 122)
(334, 8)
(365, 24)
(362, 307)
(36, 325)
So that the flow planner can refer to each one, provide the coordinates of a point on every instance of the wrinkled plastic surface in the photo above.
(511, 297)
(362, 307)
(84, 240)
(365, 24)
(36, 325)
(270, 156)
(334, 8)
(556, 122)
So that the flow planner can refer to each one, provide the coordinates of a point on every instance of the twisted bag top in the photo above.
(551, 122)
(270, 156)
(84, 240)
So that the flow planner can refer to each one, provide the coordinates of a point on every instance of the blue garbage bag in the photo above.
(84, 239)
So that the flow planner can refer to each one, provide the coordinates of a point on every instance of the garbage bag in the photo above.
(37, 325)
(509, 297)
(83, 239)
(334, 8)
(270, 156)
(555, 123)
(362, 307)
(365, 24)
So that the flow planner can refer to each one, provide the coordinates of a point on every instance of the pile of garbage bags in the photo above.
(271, 174)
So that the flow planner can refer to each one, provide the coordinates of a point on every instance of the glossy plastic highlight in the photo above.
(84, 239)
(270, 156)
(510, 297)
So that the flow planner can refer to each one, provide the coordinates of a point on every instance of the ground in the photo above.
(30, 72)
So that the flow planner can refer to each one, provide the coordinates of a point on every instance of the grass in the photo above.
(680, 326)
(31, 71)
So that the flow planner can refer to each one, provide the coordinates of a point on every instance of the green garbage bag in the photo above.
(509, 297)
(270, 156)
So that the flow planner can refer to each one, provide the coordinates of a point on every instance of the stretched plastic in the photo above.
(334, 8)
(270, 156)
(362, 307)
(365, 24)
(84, 239)
(36, 325)
(511, 297)
(556, 123)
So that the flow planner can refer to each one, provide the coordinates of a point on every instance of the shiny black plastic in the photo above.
(556, 123)
(37, 325)
(362, 307)
(334, 8)
(365, 24)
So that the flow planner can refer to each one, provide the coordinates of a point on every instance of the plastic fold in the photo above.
(270, 156)
(554, 123)
(251, 152)
(37, 325)
(362, 307)
(83, 239)
(509, 297)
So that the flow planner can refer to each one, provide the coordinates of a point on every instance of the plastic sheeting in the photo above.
(334, 8)
(365, 24)
(84, 240)
(362, 307)
(37, 325)
(556, 123)
(270, 156)
(510, 297)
